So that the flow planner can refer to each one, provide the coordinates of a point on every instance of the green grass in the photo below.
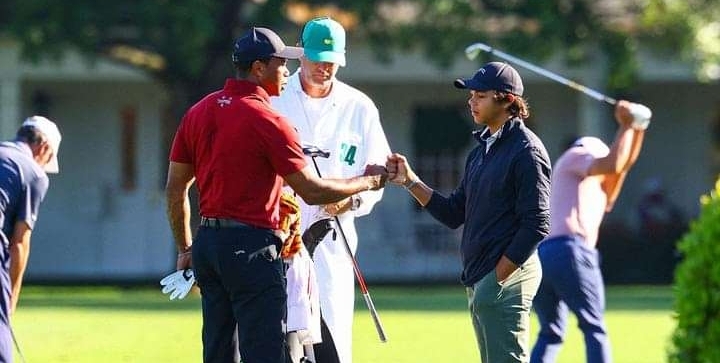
(423, 324)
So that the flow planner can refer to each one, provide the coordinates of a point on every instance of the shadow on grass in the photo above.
(105, 298)
(405, 298)
(628, 298)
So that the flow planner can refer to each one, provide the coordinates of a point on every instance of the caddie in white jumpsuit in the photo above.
(334, 116)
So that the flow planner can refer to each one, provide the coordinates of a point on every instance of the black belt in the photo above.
(222, 223)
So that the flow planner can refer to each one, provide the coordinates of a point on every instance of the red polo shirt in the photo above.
(239, 147)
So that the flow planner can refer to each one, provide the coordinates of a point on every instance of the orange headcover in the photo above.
(290, 225)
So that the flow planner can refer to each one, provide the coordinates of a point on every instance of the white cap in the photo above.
(52, 133)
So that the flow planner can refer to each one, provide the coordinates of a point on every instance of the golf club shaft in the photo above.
(473, 50)
(17, 345)
(358, 273)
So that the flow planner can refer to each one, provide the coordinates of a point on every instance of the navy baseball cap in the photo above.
(494, 76)
(261, 43)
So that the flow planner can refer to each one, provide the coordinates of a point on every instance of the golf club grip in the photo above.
(375, 317)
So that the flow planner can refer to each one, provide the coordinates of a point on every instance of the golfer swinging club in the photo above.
(586, 181)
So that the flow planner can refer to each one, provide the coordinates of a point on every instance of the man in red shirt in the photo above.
(239, 151)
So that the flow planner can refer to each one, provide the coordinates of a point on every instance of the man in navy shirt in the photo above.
(24, 163)
(503, 203)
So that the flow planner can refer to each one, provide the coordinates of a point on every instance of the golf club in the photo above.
(639, 112)
(17, 345)
(474, 50)
(314, 152)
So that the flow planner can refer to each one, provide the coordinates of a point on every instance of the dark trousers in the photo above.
(325, 352)
(572, 280)
(242, 281)
(6, 345)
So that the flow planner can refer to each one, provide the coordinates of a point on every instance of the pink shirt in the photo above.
(577, 201)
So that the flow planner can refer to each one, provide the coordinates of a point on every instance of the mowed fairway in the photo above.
(423, 324)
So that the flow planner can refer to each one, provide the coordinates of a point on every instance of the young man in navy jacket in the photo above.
(503, 204)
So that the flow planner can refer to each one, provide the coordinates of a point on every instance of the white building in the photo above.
(104, 216)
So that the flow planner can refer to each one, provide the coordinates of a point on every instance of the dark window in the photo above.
(440, 138)
(128, 143)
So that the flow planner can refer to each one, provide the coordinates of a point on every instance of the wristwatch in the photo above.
(355, 202)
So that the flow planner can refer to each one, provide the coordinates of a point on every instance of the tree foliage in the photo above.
(697, 290)
(192, 38)
(572, 29)
(686, 28)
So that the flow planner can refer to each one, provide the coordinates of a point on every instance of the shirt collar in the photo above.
(241, 86)
(483, 135)
(21, 145)
(296, 86)
(294, 81)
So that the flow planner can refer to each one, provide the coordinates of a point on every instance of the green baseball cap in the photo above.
(324, 41)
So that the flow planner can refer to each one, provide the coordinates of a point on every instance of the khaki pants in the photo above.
(501, 313)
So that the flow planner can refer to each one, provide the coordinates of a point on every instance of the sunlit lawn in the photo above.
(423, 324)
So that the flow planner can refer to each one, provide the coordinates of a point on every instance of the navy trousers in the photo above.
(241, 278)
(6, 345)
(572, 281)
(325, 352)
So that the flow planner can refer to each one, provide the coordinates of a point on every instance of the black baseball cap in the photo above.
(493, 76)
(261, 43)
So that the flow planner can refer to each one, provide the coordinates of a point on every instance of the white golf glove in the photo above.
(178, 283)
(641, 116)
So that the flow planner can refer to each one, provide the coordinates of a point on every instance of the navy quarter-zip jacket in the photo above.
(503, 201)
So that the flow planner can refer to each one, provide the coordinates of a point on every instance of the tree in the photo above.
(185, 43)
(538, 29)
(697, 301)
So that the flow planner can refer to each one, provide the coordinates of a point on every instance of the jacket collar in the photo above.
(507, 129)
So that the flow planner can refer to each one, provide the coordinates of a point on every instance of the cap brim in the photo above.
(471, 84)
(290, 53)
(326, 56)
(52, 167)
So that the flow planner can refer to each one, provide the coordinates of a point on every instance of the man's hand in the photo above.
(504, 269)
(184, 259)
(380, 174)
(622, 113)
(399, 171)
